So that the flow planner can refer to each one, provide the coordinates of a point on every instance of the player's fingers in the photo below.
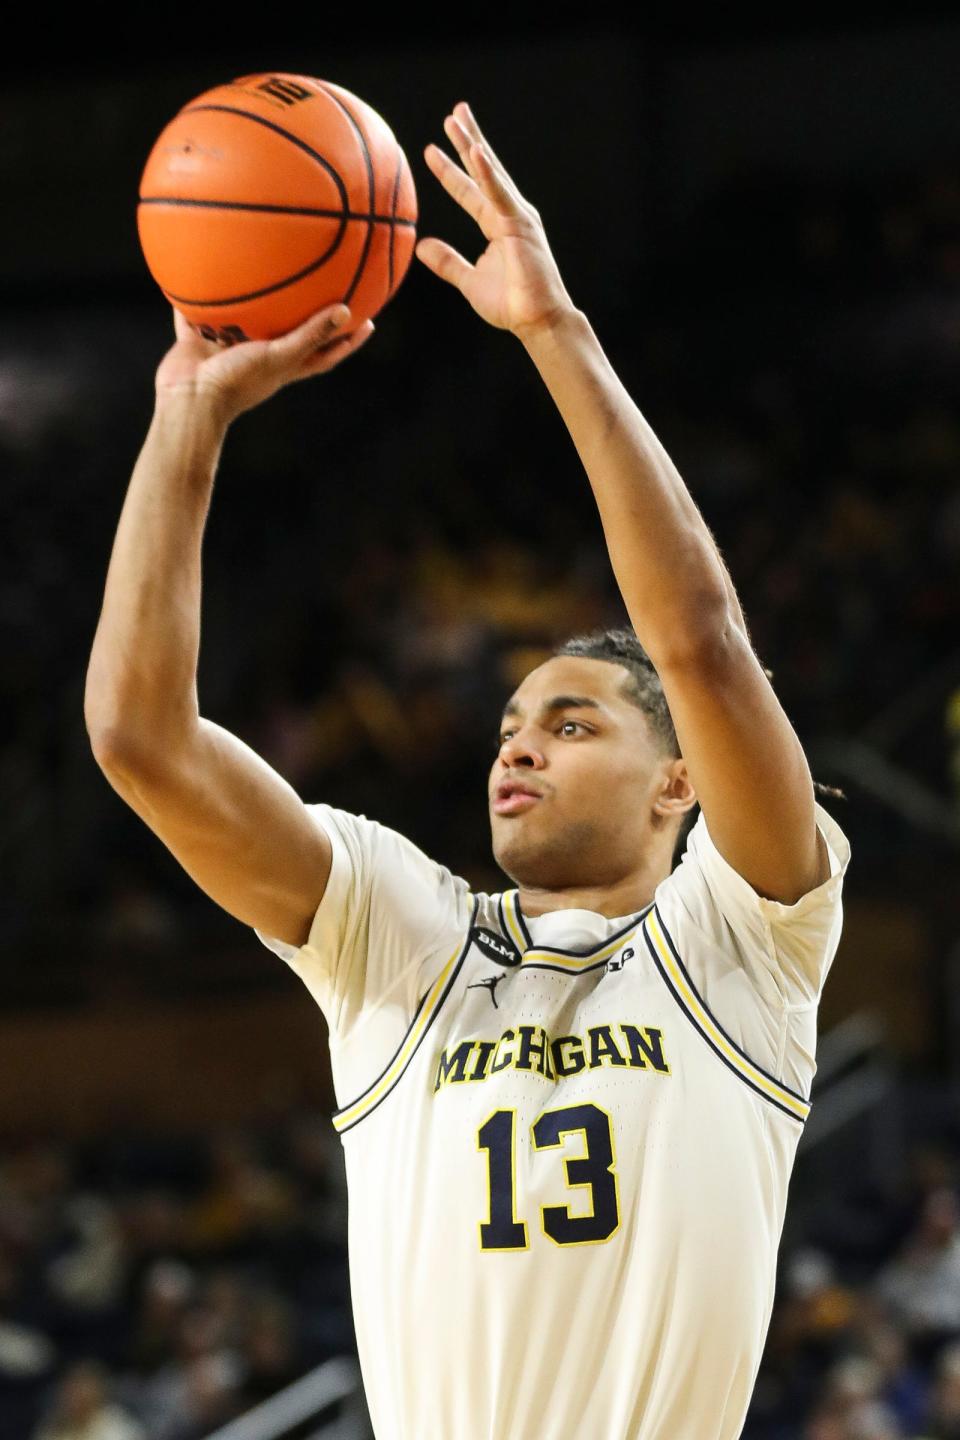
(444, 261)
(338, 350)
(465, 117)
(492, 184)
(461, 187)
(492, 179)
(187, 334)
(308, 338)
(461, 142)
(182, 327)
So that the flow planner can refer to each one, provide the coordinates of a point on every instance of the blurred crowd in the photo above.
(865, 1338)
(153, 1288)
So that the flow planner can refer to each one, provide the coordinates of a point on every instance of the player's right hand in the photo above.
(236, 379)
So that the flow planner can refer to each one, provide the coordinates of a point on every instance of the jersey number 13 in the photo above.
(593, 1169)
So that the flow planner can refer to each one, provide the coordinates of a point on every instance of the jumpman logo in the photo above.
(490, 984)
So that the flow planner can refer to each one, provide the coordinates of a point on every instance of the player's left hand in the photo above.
(515, 285)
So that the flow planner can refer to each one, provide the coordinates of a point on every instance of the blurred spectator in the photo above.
(27, 1356)
(168, 1288)
(242, 1200)
(944, 1419)
(810, 1328)
(83, 1410)
(271, 1358)
(922, 1285)
(904, 1387)
(88, 1272)
(23, 1350)
(851, 1407)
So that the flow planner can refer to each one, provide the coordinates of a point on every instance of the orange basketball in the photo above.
(268, 198)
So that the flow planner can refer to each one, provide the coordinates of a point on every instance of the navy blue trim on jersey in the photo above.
(522, 922)
(771, 1100)
(686, 975)
(591, 949)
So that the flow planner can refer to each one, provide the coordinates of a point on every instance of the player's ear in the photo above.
(676, 794)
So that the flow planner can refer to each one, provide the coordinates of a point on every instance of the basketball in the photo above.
(267, 199)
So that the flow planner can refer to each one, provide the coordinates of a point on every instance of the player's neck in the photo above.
(624, 897)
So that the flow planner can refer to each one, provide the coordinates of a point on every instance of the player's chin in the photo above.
(524, 822)
(550, 852)
(519, 848)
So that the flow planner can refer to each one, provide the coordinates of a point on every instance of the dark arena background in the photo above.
(762, 220)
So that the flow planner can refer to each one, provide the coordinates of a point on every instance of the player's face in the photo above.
(577, 773)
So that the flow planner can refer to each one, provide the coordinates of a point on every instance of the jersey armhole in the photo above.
(669, 965)
(429, 1007)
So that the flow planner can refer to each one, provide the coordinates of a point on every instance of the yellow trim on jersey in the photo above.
(560, 959)
(514, 928)
(705, 1022)
(563, 960)
(343, 1119)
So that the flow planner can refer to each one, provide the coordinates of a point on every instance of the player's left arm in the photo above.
(744, 759)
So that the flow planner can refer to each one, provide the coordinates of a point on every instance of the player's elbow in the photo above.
(123, 755)
(111, 748)
(703, 639)
(109, 732)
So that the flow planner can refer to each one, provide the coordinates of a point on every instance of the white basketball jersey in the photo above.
(568, 1139)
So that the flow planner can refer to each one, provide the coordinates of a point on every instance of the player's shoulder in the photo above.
(706, 894)
(386, 863)
(691, 868)
(702, 866)
(359, 831)
(371, 841)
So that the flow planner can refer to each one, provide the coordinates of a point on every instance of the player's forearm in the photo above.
(141, 693)
(671, 575)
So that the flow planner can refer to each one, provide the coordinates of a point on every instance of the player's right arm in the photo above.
(233, 823)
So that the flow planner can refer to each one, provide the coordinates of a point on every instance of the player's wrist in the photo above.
(563, 325)
(191, 421)
(195, 408)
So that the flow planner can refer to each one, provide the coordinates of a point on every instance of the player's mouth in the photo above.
(512, 797)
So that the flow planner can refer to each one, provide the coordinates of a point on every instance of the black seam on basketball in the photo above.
(274, 209)
(287, 135)
(393, 214)
(267, 289)
(371, 185)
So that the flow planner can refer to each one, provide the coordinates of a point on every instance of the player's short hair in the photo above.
(643, 688)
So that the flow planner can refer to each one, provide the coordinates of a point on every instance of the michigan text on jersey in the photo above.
(530, 1047)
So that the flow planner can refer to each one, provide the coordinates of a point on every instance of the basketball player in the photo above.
(569, 1111)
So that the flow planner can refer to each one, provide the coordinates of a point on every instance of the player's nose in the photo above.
(520, 749)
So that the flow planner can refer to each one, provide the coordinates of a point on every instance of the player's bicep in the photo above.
(747, 767)
(237, 828)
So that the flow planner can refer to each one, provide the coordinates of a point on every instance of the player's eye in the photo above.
(570, 727)
(505, 735)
